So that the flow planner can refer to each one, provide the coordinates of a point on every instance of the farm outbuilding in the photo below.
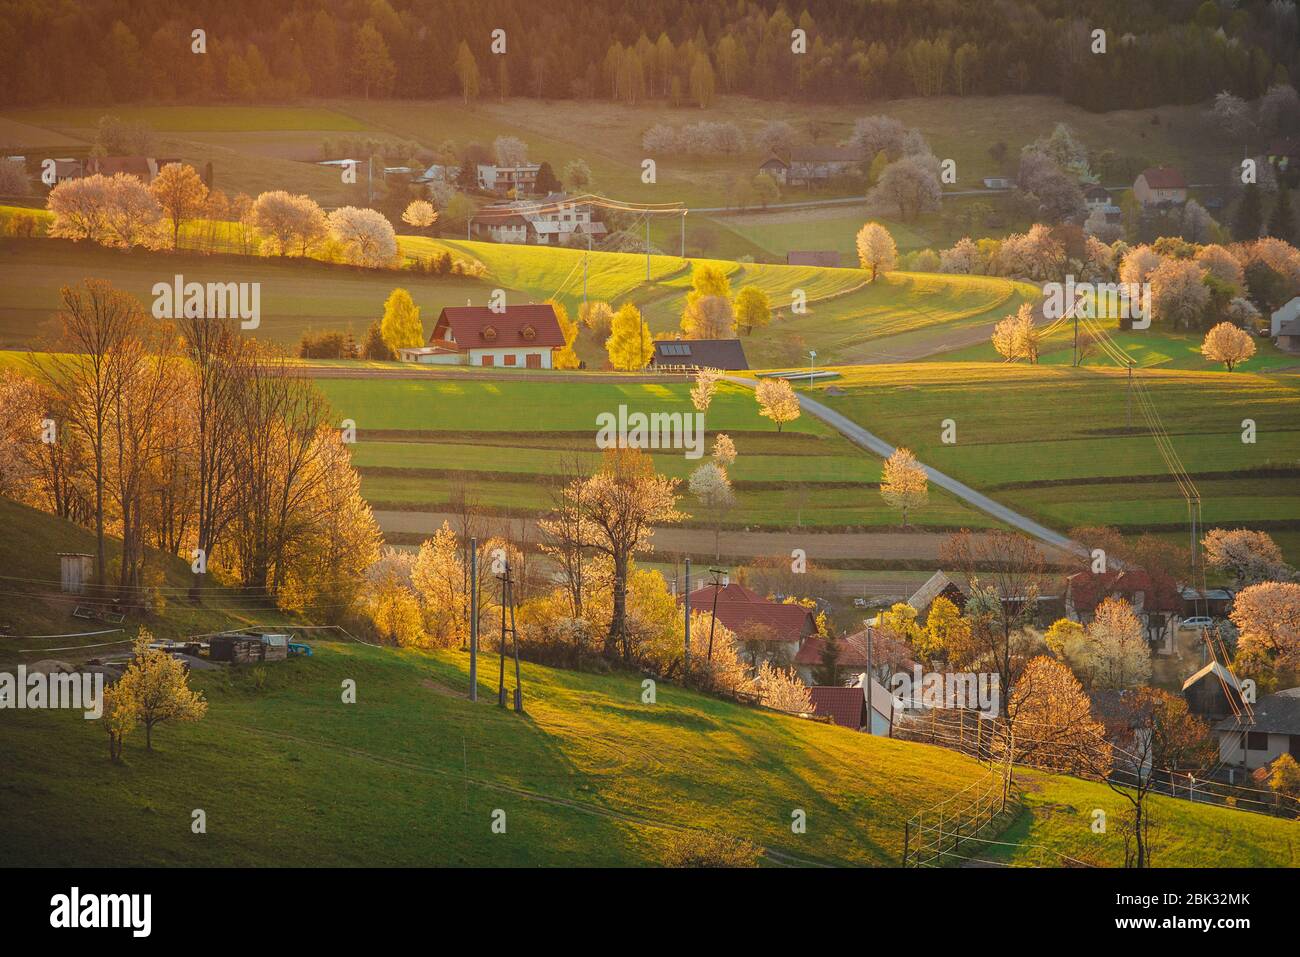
(244, 647)
(75, 571)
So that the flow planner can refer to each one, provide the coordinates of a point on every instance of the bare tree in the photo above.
(1003, 572)
(89, 372)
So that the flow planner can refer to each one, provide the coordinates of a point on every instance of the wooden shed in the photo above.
(76, 569)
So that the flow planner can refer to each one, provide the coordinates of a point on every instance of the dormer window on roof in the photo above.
(490, 333)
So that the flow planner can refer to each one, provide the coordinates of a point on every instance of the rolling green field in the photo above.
(1054, 442)
(844, 312)
(1150, 348)
(418, 442)
(412, 773)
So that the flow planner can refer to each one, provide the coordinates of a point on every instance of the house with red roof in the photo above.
(765, 629)
(1155, 599)
(848, 708)
(518, 336)
(1160, 185)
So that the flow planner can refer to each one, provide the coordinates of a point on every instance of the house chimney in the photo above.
(726, 579)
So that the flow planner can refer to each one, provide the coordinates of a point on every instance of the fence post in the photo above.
(907, 839)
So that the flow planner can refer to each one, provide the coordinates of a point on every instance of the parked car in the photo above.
(1197, 621)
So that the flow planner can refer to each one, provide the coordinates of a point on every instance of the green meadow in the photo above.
(420, 442)
(1056, 442)
(413, 772)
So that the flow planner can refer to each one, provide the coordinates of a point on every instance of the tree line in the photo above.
(185, 438)
(665, 50)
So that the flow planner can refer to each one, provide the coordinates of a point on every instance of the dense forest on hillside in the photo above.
(1157, 51)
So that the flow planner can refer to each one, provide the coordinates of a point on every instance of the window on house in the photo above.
(508, 360)
(1256, 741)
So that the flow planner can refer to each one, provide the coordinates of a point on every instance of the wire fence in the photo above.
(1031, 745)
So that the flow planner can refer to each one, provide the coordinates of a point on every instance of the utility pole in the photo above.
(1129, 399)
(1076, 338)
(501, 678)
(473, 619)
(647, 247)
(686, 651)
(871, 715)
(585, 260)
(683, 234)
(514, 641)
(717, 587)
(812, 357)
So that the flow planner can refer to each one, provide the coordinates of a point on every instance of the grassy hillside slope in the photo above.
(412, 773)
(31, 602)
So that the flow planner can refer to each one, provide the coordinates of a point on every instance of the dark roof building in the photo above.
(846, 707)
(727, 354)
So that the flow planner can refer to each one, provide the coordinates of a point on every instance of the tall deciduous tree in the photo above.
(90, 372)
(1228, 344)
(753, 309)
(181, 193)
(904, 484)
(626, 498)
(876, 249)
(777, 401)
(630, 344)
(467, 72)
(401, 326)
(158, 686)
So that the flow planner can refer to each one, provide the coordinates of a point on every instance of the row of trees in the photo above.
(186, 439)
(122, 211)
(845, 53)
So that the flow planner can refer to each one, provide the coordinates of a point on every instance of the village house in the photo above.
(808, 165)
(1284, 326)
(1160, 186)
(438, 173)
(1213, 692)
(852, 659)
(1271, 730)
(939, 584)
(847, 706)
(1096, 197)
(520, 180)
(1157, 602)
(765, 629)
(726, 354)
(520, 336)
(547, 222)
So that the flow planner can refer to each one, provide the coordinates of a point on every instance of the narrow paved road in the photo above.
(878, 446)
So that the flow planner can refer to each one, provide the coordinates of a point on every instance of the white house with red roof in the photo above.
(524, 337)
(1160, 184)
